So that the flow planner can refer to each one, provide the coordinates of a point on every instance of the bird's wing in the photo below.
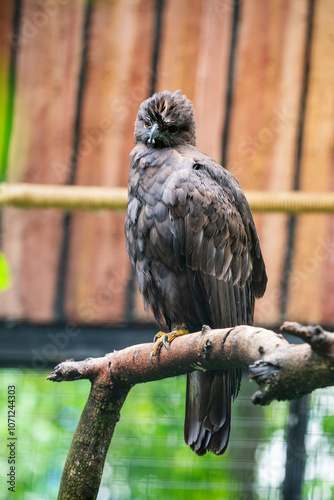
(213, 229)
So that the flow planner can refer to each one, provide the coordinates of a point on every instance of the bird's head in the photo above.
(165, 120)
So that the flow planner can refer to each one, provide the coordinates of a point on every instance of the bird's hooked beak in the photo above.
(153, 134)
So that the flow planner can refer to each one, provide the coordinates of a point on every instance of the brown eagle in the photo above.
(192, 240)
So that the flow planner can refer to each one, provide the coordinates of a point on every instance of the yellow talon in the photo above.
(163, 338)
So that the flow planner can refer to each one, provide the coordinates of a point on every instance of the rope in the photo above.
(293, 202)
(66, 197)
(97, 198)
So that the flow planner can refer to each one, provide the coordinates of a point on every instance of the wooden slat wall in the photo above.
(82, 70)
(45, 97)
(311, 288)
(264, 121)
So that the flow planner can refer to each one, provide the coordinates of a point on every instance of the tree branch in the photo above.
(282, 371)
(321, 342)
(85, 461)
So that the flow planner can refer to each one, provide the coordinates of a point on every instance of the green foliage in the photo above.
(7, 92)
(148, 458)
(318, 481)
(5, 274)
(328, 425)
(46, 417)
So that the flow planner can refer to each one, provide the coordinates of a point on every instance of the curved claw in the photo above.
(151, 358)
(165, 339)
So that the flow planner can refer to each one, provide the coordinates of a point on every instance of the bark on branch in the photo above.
(282, 371)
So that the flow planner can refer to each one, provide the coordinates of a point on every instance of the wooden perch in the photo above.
(282, 371)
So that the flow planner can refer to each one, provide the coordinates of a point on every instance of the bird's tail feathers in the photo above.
(208, 410)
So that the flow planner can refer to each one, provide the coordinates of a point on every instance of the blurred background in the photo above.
(72, 76)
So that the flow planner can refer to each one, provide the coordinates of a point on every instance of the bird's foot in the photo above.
(163, 339)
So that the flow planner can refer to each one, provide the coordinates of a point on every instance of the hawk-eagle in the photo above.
(192, 240)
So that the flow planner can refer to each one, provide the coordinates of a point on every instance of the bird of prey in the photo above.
(192, 240)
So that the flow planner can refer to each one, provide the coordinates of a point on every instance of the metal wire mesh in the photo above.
(148, 458)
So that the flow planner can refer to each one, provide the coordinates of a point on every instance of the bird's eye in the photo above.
(173, 129)
(146, 124)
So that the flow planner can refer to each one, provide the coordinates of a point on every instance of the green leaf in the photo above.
(5, 274)
(328, 424)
